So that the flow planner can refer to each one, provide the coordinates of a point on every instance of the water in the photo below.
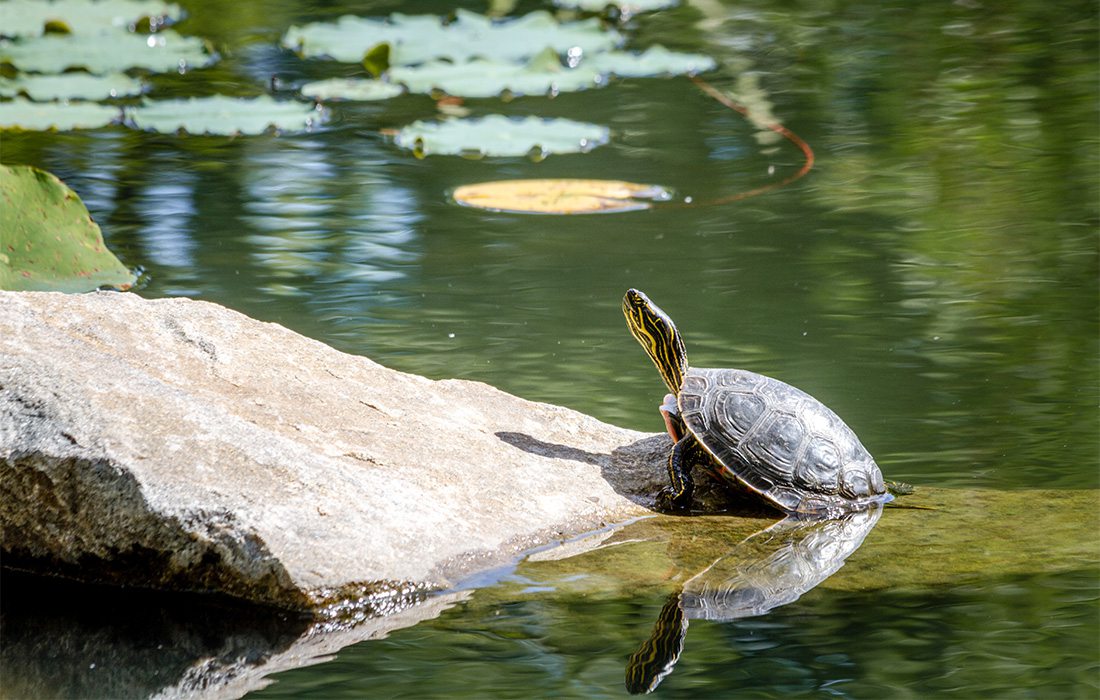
(934, 280)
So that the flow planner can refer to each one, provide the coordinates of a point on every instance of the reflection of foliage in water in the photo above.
(962, 143)
(317, 222)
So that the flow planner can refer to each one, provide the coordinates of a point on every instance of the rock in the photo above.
(175, 444)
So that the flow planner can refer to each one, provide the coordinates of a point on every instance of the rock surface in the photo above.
(175, 444)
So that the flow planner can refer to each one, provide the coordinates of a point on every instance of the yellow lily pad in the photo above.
(560, 196)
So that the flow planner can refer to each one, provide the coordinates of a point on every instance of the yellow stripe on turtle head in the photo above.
(657, 335)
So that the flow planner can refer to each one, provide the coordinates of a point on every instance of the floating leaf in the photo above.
(544, 73)
(496, 135)
(626, 7)
(488, 78)
(111, 52)
(31, 17)
(72, 86)
(415, 39)
(47, 239)
(42, 116)
(351, 89)
(560, 196)
(377, 60)
(656, 60)
(224, 115)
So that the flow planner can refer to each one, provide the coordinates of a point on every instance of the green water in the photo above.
(934, 280)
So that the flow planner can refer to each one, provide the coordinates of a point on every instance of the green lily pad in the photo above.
(47, 239)
(224, 115)
(72, 86)
(31, 17)
(656, 60)
(484, 78)
(544, 73)
(21, 114)
(110, 52)
(626, 7)
(351, 89)
(421, 38)
(497, 135)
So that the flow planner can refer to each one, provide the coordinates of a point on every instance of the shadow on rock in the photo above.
(768, 569)
(638, 471)
(541, 448)
(634, 471)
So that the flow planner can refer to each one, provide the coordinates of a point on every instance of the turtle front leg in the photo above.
(677, 496)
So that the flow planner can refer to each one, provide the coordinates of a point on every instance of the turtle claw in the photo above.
(670, 502)
(899, 488)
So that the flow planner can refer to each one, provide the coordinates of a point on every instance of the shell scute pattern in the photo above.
(777, 439)
(819, 465)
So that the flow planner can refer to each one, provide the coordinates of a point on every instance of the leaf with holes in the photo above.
(496, 135)
(47, 239)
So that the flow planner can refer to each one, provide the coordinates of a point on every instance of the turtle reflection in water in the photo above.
(771, 568)
(754, 433)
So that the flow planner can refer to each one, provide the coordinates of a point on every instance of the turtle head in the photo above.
(657, 334)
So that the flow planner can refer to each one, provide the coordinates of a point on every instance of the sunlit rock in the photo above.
(179, 445)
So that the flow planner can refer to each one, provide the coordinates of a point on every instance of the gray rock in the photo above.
(175, 444)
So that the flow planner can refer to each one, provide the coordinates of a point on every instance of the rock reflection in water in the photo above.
(68, 640)
(769, 569)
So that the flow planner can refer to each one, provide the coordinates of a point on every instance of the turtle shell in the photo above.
(779, 441)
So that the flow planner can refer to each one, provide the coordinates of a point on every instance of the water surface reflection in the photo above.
(770, 568)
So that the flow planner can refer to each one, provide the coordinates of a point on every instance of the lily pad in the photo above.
(656, 60)
(544, 74)
(560, 196)
(72, 86)
(31, 17)
(110, 52)
(497, 135)
(224, 115)
(47, 239)
(420, 38)
(351, 89)
(485, 78)
(21, 114)
(626, 7)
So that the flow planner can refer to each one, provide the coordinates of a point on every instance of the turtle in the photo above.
(754, 433)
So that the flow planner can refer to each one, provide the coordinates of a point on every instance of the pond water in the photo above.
(934, 279)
